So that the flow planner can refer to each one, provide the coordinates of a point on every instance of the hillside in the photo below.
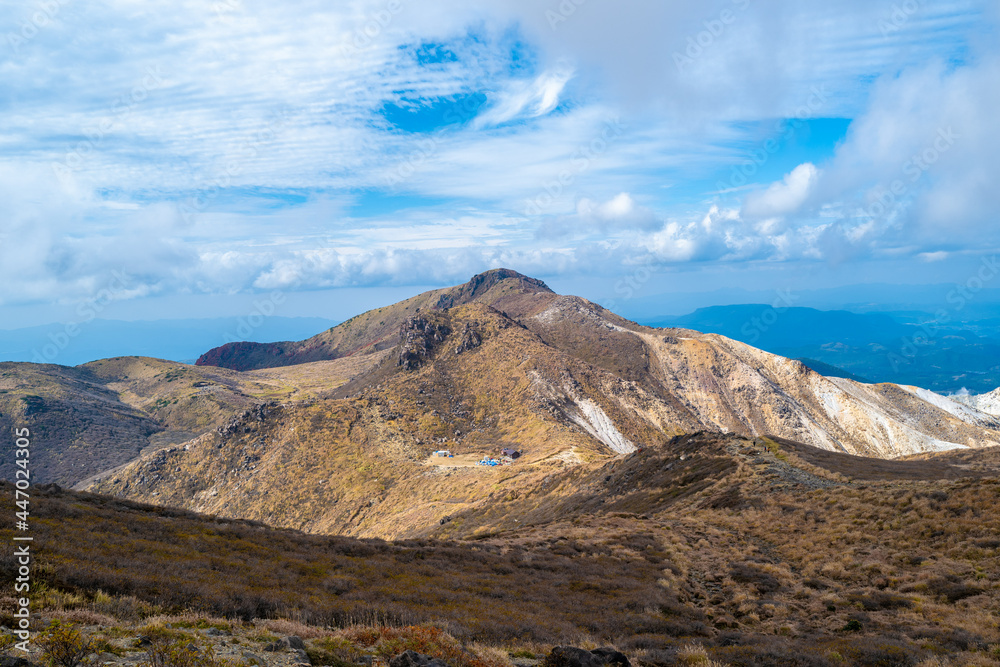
(100, 415)
(988, 402)
(514, 365)
(373, 330)
(902, 347)
(665, 553)
(80, 425)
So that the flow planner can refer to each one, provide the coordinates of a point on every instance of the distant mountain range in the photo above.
(908, 347)
(176, 340)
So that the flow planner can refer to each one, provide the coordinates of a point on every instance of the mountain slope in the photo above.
(78, 426)
(513, 365)
(374, 330)
(768, 552)
(95, 417)
(988, 402)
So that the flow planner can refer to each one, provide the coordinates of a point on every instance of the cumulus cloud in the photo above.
(785, 197)
(914, 170)
(618, 215)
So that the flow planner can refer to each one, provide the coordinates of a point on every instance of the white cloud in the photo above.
(785, 197)
(614, 217)
(272, 115)
(529, 98)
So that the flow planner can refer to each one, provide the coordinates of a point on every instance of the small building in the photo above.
(442, 452)
(510, 451)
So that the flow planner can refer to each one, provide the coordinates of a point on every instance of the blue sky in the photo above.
(346, 153)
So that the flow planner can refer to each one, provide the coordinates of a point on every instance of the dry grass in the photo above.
(800, 565)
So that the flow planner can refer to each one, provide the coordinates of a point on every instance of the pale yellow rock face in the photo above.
(737, 388)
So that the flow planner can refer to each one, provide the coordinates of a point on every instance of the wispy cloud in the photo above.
(220, 147)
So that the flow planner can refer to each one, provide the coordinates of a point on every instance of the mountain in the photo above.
(911, 347)
(502, 361)
(786, 326)
(77, 424)
(377, 329)
(91, 418)
(178, 340)
(988, 402)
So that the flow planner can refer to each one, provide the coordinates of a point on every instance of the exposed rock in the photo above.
(410, 658)
(214, 632)
(612, 657)
(470, 339)
(290, 643)
(419, 338)
(572, 656)
(242, 421)
(15, 661)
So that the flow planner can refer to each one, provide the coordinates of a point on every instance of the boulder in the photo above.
(294, 642)
(15, 661)
(410, 658)
(612, 657)
(572, 656)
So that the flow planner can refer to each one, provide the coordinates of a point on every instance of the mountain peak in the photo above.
(488, 279)
(484, 287)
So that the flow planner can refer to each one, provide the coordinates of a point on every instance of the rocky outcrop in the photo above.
(988, 402)
(242, 421)
(482, 283)
(468, 339)
(410, 658)
(419, 338)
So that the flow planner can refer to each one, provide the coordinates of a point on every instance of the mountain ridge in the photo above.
(507, 363)
(345, 339)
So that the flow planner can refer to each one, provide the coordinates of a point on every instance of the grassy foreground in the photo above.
(716, 548)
